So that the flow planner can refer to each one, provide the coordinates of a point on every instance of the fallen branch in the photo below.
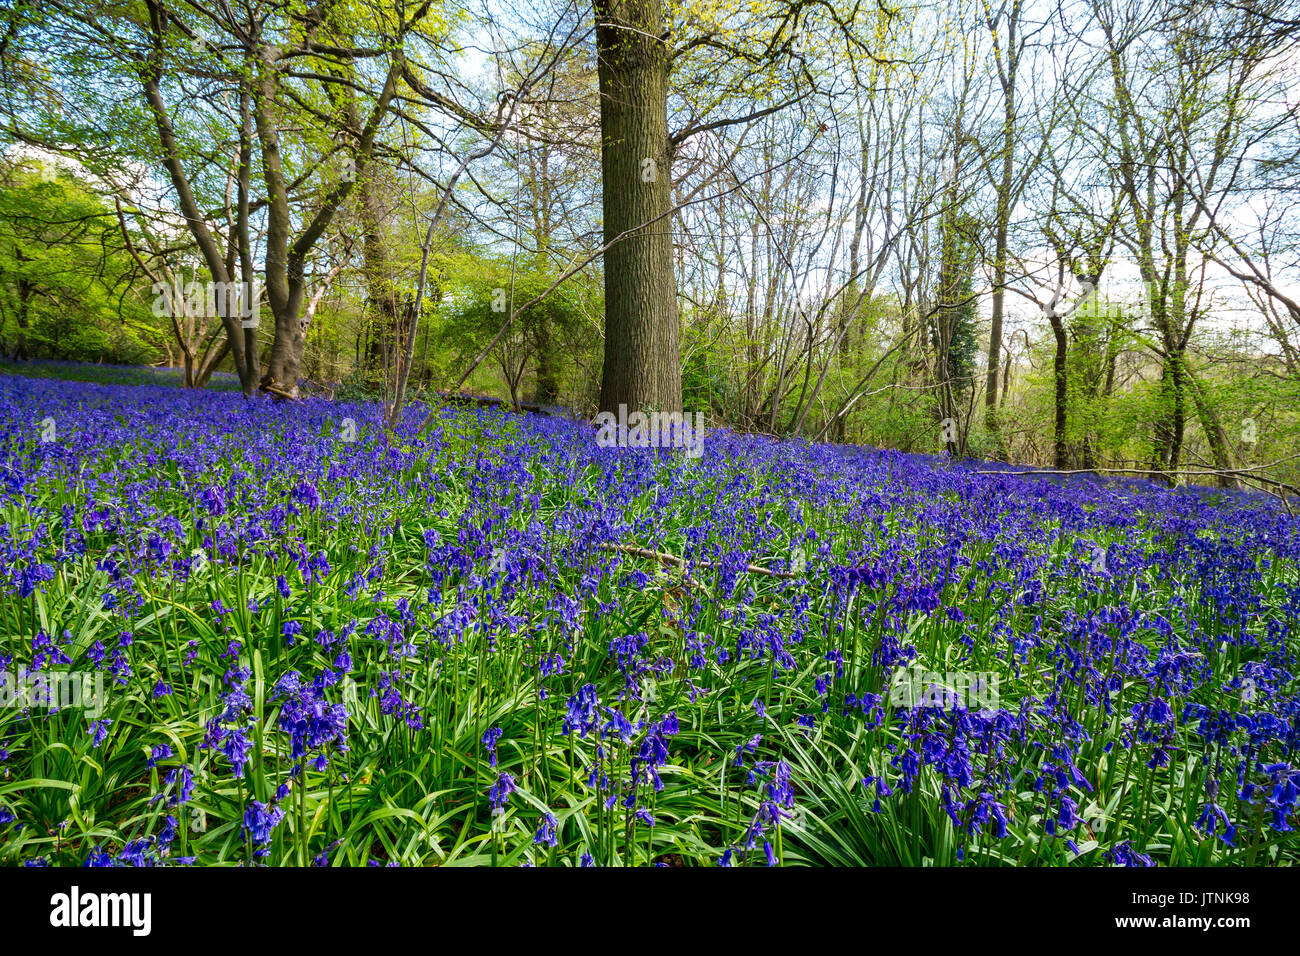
(665, 558)
(1249, 474)
(278, 392)
(486, 401)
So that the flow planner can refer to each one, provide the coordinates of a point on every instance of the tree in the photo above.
(642, 352)
(1009, 179)
(240, 108)
(744, 51)
(65, 278)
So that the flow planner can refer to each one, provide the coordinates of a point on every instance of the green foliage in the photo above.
(546, 345)
(68, 287)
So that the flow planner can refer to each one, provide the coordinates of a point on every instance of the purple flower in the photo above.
(500, 792)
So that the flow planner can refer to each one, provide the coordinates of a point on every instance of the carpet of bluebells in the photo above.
(496, 642)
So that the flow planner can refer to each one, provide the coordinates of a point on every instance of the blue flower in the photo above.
(500, 791)
(260, 820)
(546, 833)
(490, 739)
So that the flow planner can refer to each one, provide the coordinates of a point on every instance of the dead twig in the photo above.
(1247, 474)
(665, 558)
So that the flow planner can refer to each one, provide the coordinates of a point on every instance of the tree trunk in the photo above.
(1178, 408)
(548, 376)
(1061, 397)
(1003, 221)
(285, 363)
(379, 289)
(1214, 434)
(21, 353)
(945, 315)
(642, 367)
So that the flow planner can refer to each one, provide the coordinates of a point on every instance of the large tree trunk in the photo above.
(285, 364)
(642, 353)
